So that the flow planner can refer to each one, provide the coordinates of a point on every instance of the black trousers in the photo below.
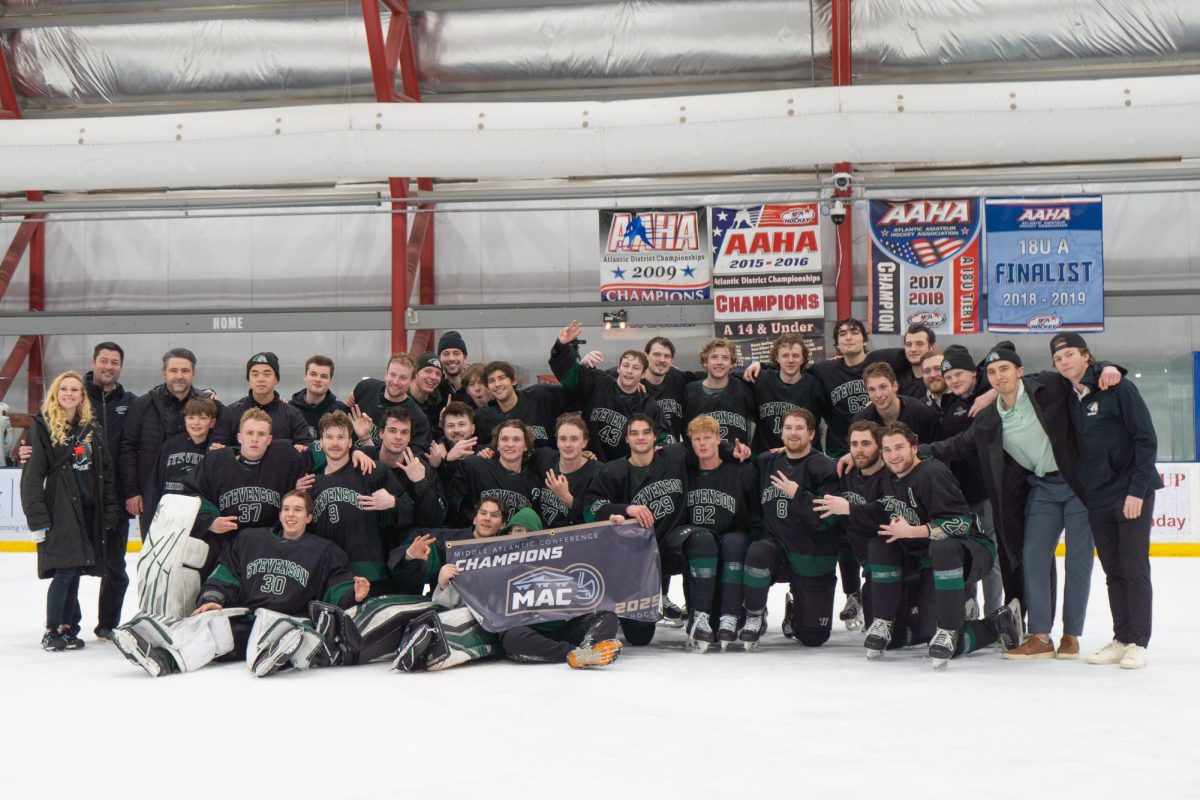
(812, 596)
(115, 581)
(62, 601)
(535, 647)
(1124, 549)
(692, 552)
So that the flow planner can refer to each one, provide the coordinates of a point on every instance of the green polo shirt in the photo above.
(1024, 438)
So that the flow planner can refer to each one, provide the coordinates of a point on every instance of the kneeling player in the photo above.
(273, 572)
(922, 514)
(798, 546)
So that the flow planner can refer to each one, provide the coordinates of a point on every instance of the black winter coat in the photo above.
(50, 497)
(152, 419)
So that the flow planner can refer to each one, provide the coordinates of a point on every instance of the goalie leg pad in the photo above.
(279, 642)
(381, 623)
(443, 639)
(168, 581)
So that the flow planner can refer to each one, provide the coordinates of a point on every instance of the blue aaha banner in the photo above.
(1045, 264)
(559, 574)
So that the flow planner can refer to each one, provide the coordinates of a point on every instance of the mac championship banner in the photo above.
(651, 254)
(924, 265)
(1045, 262)
(559, 574)
(767, 276)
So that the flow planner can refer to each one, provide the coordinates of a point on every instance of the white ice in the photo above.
(660, 723)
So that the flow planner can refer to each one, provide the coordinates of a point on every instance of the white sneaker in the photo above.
(1111, 653)
(1135, 657)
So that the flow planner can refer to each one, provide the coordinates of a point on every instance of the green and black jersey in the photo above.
(811, 543)
(265, 570)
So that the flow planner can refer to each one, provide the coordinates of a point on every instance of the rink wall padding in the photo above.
(1176, 530)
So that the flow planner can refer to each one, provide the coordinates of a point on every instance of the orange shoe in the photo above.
(1068, 647)
(1032, 648)
(601, 654)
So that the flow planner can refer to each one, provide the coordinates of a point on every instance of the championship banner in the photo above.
(767, 276)
(653, 255)
(1045, 265)
(559, 574)
(924, 265)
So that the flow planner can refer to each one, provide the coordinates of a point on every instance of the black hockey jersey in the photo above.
(661, 486)
(230, 486)
(724, 499)
(550, 507)
(773, 398)
(178, 459)
(338, 516)
(265, 570)
(538, 406)
(421, 504)
(369, 397)
(606, 408)
(811, 543)
(847, 393)
(487, 477)
(924, 421)
(670, 395)
(733, 408)
(929, 495)
(863, 490)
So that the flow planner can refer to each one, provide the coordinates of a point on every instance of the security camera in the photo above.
(837, 212)
(842, 181)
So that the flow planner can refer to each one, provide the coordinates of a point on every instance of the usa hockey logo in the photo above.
(579, 587)
(930, 318)
(1044, 322)
(924, 233)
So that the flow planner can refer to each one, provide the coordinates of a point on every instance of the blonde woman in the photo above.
(68, 495)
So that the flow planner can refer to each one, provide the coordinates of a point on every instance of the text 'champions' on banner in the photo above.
(924, 265)
(559, 574)
(653, 255)
(767, 276)
(1045, 264)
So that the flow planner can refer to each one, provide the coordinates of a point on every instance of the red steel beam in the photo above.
(16, 249)
(412, 255)
(8, 95)
(840, 52)
(12, 364)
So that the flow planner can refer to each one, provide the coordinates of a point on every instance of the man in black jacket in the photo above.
(152, 419)
(316, 400)
(110, 404)
(1011, 470)
(1117, 450)
(262, 373)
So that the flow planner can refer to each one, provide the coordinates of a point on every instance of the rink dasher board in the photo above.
(1176, 529)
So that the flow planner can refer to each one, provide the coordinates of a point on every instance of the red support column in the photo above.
(840, 51)
(408, 252)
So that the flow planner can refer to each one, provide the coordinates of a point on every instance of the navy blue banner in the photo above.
(559, 574)
(1045, 265)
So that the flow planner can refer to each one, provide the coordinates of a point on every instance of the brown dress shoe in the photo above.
(1068, 647)
(1033, 647)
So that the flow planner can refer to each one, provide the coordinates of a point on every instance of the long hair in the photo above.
(56, 418)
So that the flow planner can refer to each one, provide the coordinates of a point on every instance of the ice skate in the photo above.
(156, 661)
(727, 631)
(1008, 624)
(752, 631)
(789, 604)
(879, 636)
(700, 633)
(941, 647)
(672, 615)
(852, 612)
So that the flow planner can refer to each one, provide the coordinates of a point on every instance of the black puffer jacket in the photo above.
(50, 497)
(152, 419)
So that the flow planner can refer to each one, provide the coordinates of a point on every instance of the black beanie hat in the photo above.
(451, 339)
(270, 359)
(957, 357)
(1003, 354)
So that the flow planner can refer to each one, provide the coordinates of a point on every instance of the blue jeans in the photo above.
(1053, 506)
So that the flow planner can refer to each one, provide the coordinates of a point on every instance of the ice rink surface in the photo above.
(660, 723)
